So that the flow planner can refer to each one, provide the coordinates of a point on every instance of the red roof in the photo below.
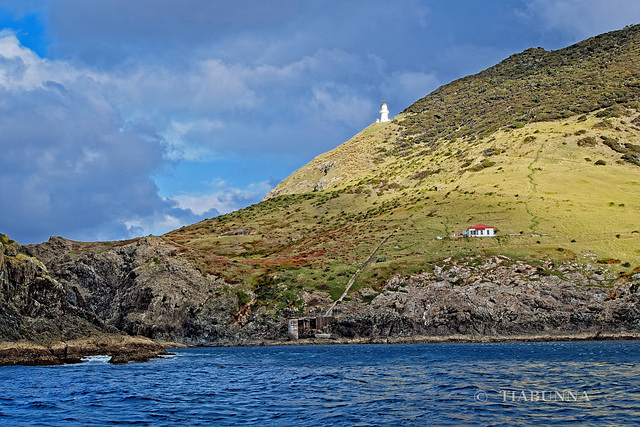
(480, 227)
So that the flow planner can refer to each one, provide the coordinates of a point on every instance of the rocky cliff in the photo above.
(145, 287)
(497, 296)
(41, 324)
(33, 304)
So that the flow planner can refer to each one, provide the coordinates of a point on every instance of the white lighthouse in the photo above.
(384, 113)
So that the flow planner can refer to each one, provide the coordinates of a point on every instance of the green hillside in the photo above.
(544, 146)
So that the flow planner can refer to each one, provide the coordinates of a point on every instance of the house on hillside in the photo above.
(479, 230)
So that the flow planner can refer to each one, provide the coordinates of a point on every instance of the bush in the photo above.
(265, 288)
(613, 144)
(588, 141)
(243, 298)
(600, 163)
(482, 165)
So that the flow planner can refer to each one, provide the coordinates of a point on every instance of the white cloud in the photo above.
(334, 104)
(22, 69)
(70, 166)
(159, 224)
(223, 198)
(179, 139)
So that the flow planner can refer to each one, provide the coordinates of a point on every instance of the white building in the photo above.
(384, 113)
(479, 230)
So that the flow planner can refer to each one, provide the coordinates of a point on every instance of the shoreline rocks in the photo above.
(144, 288)
(121, 348)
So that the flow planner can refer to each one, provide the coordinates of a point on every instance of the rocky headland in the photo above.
(41, 323)
(543, 146)
(144, 287)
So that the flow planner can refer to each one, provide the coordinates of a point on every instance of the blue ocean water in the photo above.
(581, 383)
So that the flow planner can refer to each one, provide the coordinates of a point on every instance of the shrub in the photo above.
(608, 261)
(492, 151)
(243, 298)
(601, 125)
(613, 144)
(482, 165)
(265, 288)
(632, 158)
(600, 163)
(588, 141)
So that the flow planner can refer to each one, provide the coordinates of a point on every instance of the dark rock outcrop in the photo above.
(39, 325)
(499, 297)
(143, 287)
(33, 305)
(121, 348)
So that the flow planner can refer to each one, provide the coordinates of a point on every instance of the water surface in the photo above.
(582, 383)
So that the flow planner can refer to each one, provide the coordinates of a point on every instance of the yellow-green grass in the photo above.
(482, 149)
(541, 187)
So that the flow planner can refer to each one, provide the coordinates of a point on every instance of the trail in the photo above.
(534, 219)
(357, 273)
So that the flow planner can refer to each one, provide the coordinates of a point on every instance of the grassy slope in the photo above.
(532, 179)
(543, 188)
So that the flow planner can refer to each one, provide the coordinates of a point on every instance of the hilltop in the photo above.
(544, 146)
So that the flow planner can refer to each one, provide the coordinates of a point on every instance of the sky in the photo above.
(124, 118)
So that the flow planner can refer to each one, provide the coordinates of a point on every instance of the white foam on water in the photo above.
(96, 359)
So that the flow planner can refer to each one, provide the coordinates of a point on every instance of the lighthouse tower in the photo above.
(384, 113)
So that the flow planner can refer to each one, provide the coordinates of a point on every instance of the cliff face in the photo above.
(144, 287)
(499, 297)
(41, 322)
(33, 305)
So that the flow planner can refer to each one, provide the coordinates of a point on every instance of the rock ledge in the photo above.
(121, 348)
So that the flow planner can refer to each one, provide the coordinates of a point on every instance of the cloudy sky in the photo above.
(123, 118)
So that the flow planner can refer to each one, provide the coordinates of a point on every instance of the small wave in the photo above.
(42, 405)
(96, 359)
(168, 356)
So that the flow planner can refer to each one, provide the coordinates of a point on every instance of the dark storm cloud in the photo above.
(134, 93)
(68, 165)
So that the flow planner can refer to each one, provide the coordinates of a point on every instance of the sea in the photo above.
(499, 384)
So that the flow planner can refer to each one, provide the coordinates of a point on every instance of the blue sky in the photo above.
(120, 118)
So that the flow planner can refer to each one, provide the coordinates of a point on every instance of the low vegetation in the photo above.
(506, 147)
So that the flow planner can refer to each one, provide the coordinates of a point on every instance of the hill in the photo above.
(544, 146)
